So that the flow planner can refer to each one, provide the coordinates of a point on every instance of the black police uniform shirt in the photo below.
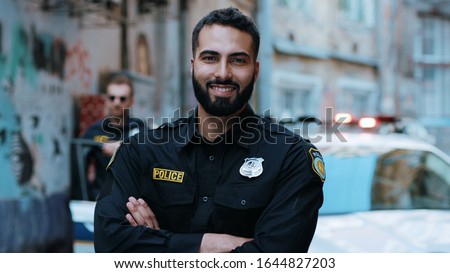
(258, 181)
(102, 131)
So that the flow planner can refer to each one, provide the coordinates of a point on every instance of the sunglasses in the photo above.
(122, 98)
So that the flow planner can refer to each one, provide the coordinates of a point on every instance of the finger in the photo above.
(135, 213)
(133, 200)
(146, 213)
(142, 213)
(150, 217)
(131, 220)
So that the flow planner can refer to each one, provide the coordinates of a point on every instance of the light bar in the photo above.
(367, 123)
(343, 118)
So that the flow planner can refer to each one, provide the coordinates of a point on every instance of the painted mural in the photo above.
(35, 131)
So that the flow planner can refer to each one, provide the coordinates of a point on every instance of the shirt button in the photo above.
(205, 199)
(211, 158)
(243, 202)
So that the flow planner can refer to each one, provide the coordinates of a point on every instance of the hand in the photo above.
(109, 148)
(140, 214)
(220, 243)
(90, 175)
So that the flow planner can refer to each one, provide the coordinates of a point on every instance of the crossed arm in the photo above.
(142, 215)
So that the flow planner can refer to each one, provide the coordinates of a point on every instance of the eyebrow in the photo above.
(235, 54)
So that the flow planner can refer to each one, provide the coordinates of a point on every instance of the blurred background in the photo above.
(364, 57)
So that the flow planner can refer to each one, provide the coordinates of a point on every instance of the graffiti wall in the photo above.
(35, 132)
(48, 60)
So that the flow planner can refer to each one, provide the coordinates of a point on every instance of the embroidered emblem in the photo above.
(168, 175)
(317, 163)
(252, 167)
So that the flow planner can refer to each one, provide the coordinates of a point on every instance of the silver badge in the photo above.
(252, 167)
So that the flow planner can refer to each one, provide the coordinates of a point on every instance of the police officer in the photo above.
(221, 180)
(115, 127)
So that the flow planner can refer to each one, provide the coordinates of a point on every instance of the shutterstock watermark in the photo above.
(316, 129)
(274, 130)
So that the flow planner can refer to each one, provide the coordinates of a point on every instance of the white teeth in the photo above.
(223, 90)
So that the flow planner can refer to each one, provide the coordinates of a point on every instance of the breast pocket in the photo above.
(239, 206)
(170, 194)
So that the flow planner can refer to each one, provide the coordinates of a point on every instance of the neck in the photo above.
(211, 127)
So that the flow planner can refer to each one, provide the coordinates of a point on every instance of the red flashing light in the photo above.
(368, 123)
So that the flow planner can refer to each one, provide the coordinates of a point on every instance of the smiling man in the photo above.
(223, 179)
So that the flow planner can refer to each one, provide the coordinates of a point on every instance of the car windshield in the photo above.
(363, 179)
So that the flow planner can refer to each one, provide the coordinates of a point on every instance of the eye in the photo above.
(239, 61)
(210, 58)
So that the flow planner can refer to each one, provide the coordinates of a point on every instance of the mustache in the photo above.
(226, 82)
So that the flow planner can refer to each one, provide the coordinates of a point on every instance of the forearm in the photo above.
(114, 234)
(142, 215)
(221, 243)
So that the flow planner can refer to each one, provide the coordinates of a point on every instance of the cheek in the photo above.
(204, 71)
(245, 77)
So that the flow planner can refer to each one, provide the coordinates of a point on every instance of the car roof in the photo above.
(378, 142)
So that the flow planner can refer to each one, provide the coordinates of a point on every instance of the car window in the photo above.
(349, 180)
(409, 179)
(432, 190)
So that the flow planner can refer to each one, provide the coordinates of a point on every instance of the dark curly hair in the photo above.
(228, 17)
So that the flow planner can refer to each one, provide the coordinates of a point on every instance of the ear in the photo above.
(256, 70)
(192, 66)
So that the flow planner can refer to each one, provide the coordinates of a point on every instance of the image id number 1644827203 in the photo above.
(296, 263)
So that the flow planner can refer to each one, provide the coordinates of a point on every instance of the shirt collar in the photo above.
(236, 134)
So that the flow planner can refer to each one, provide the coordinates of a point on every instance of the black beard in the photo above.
(222, 107)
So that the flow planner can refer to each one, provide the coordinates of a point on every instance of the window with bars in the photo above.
(432, 58)
(296, 103)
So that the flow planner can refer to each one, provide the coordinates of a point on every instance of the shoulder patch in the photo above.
(318, 165)
(114, 155)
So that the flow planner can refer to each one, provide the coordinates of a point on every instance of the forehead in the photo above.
(118, 89)
(224, 40)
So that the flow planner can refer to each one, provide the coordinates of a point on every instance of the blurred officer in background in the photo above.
(109, 131)
(221, 180)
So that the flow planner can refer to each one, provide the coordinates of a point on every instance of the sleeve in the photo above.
(289, 221)
(112, 232)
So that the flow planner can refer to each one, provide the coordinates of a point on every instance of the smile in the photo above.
(222, 90)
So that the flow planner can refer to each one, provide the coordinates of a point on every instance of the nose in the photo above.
(223, 71)
(116, 101)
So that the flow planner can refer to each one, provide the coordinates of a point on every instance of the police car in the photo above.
(81, 208)
(83, 225)
(383, 193)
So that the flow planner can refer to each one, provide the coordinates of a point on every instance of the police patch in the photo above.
(317, 163)
(168, 175)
